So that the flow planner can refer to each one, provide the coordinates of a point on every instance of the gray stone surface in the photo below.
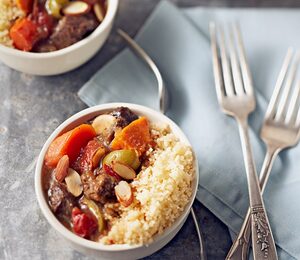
(32, 107)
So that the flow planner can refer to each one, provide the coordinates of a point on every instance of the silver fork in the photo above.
(236, 98)
(280, 130)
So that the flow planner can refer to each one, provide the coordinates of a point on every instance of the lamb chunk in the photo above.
(99, 188)
(69, 30)
(124, 116)
(106, 190)
(60, 200)
(44, 46)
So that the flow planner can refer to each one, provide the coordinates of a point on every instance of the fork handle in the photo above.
(240, 247)
(263, 244)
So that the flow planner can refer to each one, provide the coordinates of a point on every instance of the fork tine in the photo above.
(298, 121)
(236, 73)
(275, 96)
(216, 63)
(243, 61)
(283, 103)
(225, 65)
(294, 105)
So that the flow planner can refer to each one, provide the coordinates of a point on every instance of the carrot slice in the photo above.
(24, 34)
(134, 136)
(69, 143)
(25, 5)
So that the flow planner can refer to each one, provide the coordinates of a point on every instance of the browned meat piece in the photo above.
(44, 46)
(70, 29)
(60, 200)
(56, 194)
(99, 188)
(124, 116)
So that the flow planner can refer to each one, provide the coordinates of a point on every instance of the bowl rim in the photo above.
(66, 233)
(108, 18)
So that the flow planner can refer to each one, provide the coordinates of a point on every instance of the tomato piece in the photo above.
(75, 212)
(24, 34)
(85, 161)
(45, 24)
(83, 224)
(69, 143)
(94, 208)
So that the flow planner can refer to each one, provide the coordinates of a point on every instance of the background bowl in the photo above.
(57, 62)
(92, 248)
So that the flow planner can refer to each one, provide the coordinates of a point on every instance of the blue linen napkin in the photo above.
(178, 41)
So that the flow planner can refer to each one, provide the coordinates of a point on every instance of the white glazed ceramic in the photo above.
(92, 248)
(57, 62)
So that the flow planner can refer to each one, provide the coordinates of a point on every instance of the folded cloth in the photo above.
(178, 42)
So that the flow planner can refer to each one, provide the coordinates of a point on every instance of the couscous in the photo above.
(9, 13)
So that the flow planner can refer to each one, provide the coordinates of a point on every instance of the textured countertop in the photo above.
(32, 107)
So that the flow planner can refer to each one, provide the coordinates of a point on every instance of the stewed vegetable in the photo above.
(128, 157)
(90, 169)
(70, 144)
(25, 5)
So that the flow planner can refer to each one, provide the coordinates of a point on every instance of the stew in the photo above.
(51, 25)
(89, 168)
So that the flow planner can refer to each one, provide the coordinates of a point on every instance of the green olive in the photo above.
(128, 157)
(93, 207)
(53, 8)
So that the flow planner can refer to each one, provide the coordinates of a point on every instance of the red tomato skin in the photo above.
(45, 24)
(111, 172)
(84, 161)
(83, 225)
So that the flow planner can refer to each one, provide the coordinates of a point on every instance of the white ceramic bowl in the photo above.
(57, 62)
(92, 248)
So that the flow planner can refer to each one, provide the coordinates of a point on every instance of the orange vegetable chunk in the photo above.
(25, 5)
(134, 136)
(24, 34)
(69, 143)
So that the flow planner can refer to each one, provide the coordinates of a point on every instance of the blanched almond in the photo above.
(99, 11)
(123, 170)
(76, 8)
(124, 193)
(98, 156)
(62, 167)
(104, 125)
(73, 181)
